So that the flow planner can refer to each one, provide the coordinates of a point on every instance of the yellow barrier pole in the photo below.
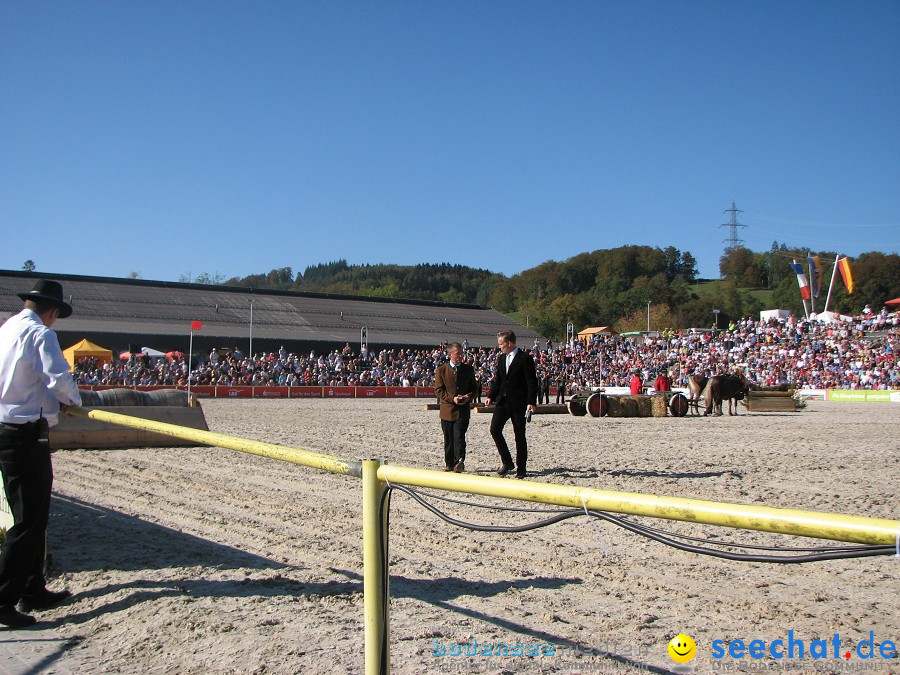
(309, 458)
(375, 595)
(858, 529)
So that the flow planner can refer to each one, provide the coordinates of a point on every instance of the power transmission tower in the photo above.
(733, 240)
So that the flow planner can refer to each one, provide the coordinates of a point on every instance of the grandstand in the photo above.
(117, 313)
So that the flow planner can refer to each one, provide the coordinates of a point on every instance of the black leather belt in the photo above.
(17, 427)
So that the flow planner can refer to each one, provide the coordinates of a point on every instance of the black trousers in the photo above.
(27, 479)
(561, 393)
(502, 413)
(454, 440)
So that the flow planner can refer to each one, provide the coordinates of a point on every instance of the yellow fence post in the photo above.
(376, 592)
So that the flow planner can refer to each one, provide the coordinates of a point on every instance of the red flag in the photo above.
(196, 325)
(844, 269)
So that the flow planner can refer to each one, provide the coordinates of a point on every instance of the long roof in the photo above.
(135, 308)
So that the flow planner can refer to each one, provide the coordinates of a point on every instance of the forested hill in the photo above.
(446, 282)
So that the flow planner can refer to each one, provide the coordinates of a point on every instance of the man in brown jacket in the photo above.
(455, 385)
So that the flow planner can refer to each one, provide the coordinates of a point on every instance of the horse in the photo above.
(732, 388)
(696, 386)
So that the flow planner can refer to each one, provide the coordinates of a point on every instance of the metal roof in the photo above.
(135, 309)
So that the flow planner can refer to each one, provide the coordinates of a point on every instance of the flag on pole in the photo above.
(801, 279)
(815, 275)
(844, 269)
(196, 325)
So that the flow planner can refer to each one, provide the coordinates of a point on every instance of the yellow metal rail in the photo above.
(858, 529)
(309, 458)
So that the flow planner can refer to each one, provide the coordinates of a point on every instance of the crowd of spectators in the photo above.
(803, 354)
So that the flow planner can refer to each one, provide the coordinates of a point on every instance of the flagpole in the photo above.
(190, 354)
(812, 282)
(831, 285)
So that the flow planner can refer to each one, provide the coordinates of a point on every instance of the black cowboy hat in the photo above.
(49, 291)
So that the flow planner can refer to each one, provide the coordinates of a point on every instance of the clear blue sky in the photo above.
(170, 138)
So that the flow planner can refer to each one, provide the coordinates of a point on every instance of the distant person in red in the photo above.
(663, 383)
(637, 385)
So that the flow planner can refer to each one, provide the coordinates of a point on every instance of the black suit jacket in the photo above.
(517, 388)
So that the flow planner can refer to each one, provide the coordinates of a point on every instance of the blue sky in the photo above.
(178, 138)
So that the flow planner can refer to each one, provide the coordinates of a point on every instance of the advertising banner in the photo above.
(234, 392)
(339, 392)
(270, 392)
(863, 396)
(371, 392)
(306, 392)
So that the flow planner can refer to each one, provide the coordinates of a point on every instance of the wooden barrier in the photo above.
(772, 401)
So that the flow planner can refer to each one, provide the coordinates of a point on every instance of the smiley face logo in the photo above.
(682, 648)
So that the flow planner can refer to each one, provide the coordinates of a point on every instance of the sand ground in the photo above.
(198, 560)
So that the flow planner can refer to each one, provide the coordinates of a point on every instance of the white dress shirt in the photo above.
(34, 374)
(510, 357)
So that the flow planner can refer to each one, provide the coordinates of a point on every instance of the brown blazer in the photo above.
(448, 384)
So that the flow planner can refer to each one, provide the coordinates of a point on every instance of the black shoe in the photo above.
(10, 618)
(44, 600)
(521, 474)
(460, 466)
(504, 469)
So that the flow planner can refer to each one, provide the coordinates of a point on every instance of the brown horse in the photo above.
(732, 388)
(696, 386)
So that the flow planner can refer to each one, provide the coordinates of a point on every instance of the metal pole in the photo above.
(310, 458)
(190, 354)
(821, 525)
(376, 594)
(648, 316)
(831, 285)
(251, 331)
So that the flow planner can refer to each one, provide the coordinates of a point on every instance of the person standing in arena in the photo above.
(35, 384)
(514, 392)
(455, 385)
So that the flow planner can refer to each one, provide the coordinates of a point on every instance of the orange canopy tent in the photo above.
(86, 348)
(893, 303)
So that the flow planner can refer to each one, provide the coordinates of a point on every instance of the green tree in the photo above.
(29, 266)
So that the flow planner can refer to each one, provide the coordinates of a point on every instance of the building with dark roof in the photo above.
(118, 313)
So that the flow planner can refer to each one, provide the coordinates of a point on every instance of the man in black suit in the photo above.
(513, 391)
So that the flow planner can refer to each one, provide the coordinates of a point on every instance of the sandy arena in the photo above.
(207, 560)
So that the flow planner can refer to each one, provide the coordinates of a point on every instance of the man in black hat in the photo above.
(35, 384)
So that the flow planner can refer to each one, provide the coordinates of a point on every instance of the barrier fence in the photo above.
(377, 477)
(222, 391)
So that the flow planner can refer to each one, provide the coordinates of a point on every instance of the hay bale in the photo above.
(634, 406)
(658, 406)
(614, 407)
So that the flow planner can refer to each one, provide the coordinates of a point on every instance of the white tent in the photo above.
(145, 351)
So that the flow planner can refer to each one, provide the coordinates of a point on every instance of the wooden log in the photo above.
(547, 409)
(771, 394)
(82, 432)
